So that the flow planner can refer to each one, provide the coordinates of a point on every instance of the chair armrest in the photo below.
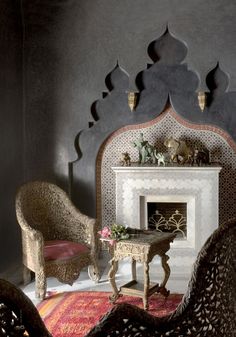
(126, 318)
(34, 234)
(91, 228)
(32, 240)
(80, 227)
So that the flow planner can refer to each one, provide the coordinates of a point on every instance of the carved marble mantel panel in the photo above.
(197, 186)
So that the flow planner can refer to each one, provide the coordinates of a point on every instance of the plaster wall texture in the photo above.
(71, 46)
(11, 122)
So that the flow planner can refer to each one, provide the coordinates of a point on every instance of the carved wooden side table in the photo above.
(141, 247)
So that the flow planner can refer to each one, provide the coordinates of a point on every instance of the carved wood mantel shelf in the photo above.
(197, 186)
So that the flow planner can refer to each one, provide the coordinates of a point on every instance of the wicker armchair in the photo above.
(57, 239)
(18, 315)
(208, 309)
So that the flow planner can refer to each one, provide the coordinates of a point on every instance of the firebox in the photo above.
(170, 217)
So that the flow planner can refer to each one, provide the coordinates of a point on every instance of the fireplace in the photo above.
(195, 189)
(166, 125)
(187, 201)
(203, 192)
(166, 107)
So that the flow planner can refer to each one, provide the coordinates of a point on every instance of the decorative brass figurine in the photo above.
(181, 152)
(201, 157)
(126, 160)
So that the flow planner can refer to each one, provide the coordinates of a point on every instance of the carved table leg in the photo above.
(134, 274)
(165, 266)
(111, 278)
(146, 285)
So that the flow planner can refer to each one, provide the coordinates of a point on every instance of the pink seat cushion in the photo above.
(62, 250)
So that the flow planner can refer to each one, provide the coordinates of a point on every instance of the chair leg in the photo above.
(40, 284)
(26, 275)
(93, 271)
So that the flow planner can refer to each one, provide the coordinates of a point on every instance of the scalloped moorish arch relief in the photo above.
(221, 146)
(166, 80)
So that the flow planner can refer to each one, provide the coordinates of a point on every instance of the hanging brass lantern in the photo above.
(132, 100)
(202, 100)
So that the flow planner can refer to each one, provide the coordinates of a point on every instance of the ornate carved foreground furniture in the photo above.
(18, 315)
(208, 309)
(57, 239)
(142, 246)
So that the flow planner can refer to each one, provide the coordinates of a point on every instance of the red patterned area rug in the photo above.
(73, 314)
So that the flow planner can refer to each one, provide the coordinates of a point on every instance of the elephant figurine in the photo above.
(181, 152)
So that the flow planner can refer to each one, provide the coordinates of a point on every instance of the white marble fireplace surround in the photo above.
(222, 150)
(198, 187)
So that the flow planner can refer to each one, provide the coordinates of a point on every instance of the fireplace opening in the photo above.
(170, 217)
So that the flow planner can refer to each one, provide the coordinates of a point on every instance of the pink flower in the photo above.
(105, 232)
(112, 242)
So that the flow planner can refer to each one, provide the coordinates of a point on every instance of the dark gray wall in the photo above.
(11, 145)
(72, 45)
(69, 47)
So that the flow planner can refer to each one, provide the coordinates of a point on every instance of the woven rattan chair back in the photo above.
(208, 309)
(45, 213)
(18, 315)
(47, 208)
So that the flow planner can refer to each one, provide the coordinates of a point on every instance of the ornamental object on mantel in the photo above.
(126, 160)
(180, 151)
(147, 152)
